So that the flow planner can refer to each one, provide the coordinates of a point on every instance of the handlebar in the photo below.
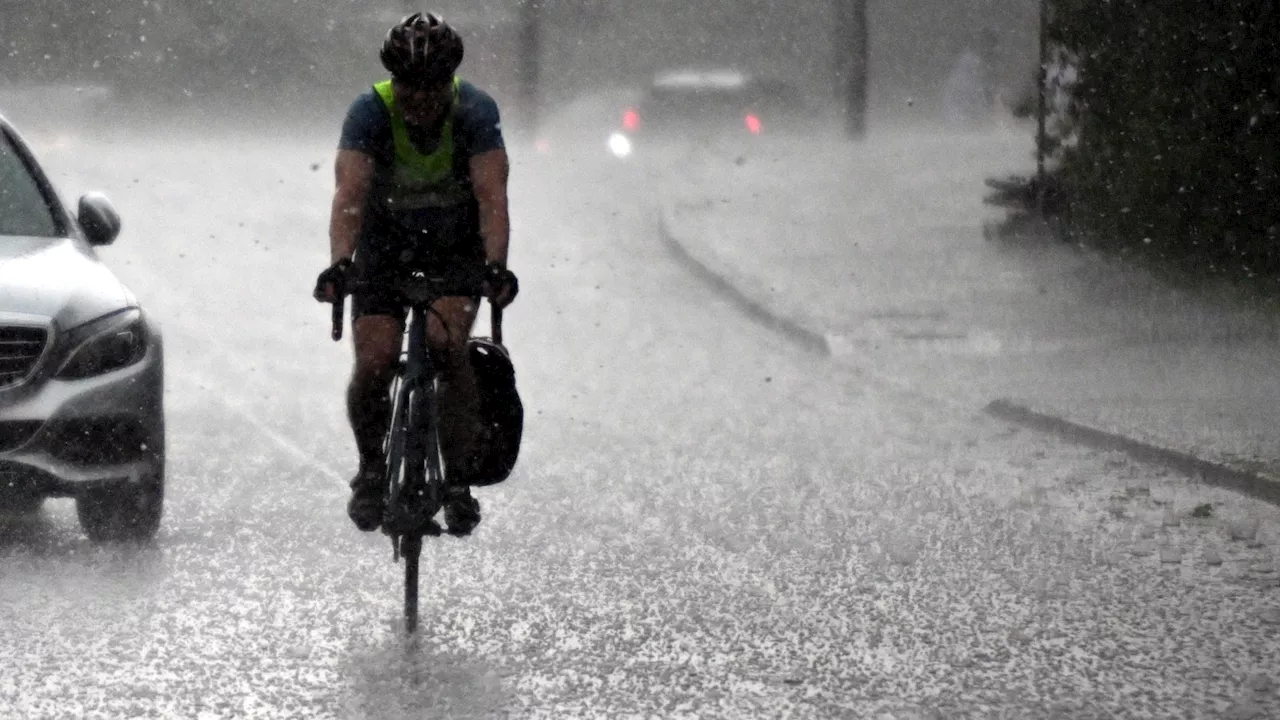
(420, 290)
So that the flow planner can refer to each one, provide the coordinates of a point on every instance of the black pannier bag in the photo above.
(501, 412)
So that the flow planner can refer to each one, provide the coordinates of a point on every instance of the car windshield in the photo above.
(677, 104)
(23, 210)
(694, 104)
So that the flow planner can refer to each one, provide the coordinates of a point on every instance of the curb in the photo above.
(1253, 484)
(807, 338)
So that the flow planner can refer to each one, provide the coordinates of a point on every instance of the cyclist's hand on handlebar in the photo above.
(330, 285)
(500, 285)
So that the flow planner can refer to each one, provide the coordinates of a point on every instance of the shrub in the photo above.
(1174, 125)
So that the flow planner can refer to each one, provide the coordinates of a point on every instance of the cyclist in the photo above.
(421, 177)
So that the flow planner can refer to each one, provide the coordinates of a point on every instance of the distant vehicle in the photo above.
(81, 364)
(702, 105)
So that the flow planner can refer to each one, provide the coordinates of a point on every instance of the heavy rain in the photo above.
(909, 359)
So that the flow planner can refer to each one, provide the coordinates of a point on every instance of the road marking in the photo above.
(282, 441)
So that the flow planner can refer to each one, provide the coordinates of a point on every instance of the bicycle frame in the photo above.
(414, 458)
(415, 461)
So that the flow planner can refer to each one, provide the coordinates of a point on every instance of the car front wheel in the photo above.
(126, 512)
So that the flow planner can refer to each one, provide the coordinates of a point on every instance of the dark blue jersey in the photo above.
(477, 128)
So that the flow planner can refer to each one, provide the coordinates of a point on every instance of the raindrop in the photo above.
(903, 555)
(1245, 529)
(1261, 683)
(1245, 711)
(1263, 567)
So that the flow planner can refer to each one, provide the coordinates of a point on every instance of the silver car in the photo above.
(81, 365)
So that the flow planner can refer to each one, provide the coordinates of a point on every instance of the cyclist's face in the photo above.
(422, 106)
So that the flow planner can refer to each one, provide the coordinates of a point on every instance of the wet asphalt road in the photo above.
(705, 522)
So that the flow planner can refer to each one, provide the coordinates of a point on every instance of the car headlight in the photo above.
(619, 145)
(106, 344)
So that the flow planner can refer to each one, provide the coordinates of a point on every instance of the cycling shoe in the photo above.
(461, 511)
(368, 499)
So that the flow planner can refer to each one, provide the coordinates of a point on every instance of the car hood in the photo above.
(57, 278)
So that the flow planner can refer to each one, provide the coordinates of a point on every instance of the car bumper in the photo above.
(680, 148)
(63, 437)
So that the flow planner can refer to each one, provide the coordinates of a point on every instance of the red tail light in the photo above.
(631, 120)
(753, 125)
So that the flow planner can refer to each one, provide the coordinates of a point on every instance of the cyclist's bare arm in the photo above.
(489, 171)
(354, 172)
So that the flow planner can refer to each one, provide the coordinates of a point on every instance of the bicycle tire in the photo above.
(424, 467)
(416, 448)
(411, 553)
(437, 469)
(394, 448)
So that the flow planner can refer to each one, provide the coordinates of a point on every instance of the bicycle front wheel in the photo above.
(411, 552)
(418, 501)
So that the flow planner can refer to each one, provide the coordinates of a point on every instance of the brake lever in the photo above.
(339, 308)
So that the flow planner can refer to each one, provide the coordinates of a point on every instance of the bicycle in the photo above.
(416, 471)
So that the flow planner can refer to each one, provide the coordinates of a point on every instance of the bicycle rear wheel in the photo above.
(394, 447)
(436, 469)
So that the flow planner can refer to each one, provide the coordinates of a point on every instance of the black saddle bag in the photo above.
(501, 412)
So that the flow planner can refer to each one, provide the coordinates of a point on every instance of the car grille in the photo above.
(99, 441)
(20, 348)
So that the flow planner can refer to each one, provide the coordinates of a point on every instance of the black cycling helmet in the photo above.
(422, 49)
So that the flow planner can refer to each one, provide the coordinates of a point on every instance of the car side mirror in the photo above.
(99, 219)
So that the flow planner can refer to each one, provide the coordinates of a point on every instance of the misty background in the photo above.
(773, 464)
(197, 51)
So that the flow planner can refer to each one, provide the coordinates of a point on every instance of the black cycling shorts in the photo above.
(385, 258)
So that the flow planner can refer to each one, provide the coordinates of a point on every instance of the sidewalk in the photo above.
(875, 253)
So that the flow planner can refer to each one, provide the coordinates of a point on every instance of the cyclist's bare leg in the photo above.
(377, 348)
(447, 334)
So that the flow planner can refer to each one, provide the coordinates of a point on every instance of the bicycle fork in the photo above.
(412, 445)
